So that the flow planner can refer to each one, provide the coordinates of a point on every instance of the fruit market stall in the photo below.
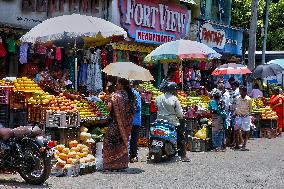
(265, 120)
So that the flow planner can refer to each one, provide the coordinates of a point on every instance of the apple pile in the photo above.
(61, 103)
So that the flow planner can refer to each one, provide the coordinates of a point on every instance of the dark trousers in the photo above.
(134, 142)
(181, 141)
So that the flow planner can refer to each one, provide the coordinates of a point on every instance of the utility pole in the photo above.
(265, 31)
(252, 35)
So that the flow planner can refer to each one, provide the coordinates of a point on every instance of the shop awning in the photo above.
(188, 1)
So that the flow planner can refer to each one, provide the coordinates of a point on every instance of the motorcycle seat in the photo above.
(6, 133)
(28, 131)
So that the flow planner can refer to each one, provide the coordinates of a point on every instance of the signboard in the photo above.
(212, 37)
(221, 38)
(156, 21)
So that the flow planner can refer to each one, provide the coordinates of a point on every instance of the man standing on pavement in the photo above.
(133, 152)
(242, 120)
(169, 108)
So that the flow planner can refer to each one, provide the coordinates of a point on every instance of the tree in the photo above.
(241, 13)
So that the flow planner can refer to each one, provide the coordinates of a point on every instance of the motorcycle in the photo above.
(163, 140)
(27, 152)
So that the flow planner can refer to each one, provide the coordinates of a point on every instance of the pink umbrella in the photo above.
(231, 68)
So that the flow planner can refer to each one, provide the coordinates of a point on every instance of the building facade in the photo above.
(215, 29)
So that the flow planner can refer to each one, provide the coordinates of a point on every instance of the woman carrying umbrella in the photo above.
(122, 108)
(276, 103)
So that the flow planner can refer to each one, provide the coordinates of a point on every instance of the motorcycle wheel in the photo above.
(158, 157)
(40, 165)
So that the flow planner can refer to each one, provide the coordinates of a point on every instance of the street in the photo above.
(261, 167)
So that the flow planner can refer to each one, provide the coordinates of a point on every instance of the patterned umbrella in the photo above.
(182, 49)
(231, 68)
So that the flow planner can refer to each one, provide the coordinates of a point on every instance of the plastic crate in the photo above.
(5, 95)
(18, 100)
(63, 135)
(36, 113)
(268, 123)
(268, 133)
(18, 117)
(55, 119)
(4, 115)
(199, 145)
(72, 119)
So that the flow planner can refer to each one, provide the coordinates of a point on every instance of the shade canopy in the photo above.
(128, 70)
(71, 26)
(231, 68)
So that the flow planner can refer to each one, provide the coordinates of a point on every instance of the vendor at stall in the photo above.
(50, 80)
(276, 103)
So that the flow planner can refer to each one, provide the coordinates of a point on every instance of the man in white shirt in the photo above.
(242, 112)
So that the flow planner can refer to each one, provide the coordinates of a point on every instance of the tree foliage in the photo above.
(241, 13)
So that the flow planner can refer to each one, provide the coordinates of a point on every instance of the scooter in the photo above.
(163, 140)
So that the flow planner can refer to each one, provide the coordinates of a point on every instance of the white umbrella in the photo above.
(128, 70)
(72, 26)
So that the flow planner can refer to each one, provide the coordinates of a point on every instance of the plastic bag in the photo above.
(201, 133)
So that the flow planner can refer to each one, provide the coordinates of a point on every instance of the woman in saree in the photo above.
(122, 109)
(276, 103)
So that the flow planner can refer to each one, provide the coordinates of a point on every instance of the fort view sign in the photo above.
(156, 21)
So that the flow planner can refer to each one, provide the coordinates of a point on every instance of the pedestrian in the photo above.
(276, 103)
(169, 108)
(133, 154)
(115, 144)
(242, 114)
(216, 106)
(256, 92)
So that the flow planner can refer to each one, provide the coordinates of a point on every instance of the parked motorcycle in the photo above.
(27, 152)
(163, 140)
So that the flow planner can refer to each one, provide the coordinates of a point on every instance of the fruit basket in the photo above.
(56, 119)
(5, 93)
(4, 115)
(36, 113)
(73, 119)
(18, 100)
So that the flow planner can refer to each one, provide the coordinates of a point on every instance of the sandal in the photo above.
(244, 149)
(185, 159)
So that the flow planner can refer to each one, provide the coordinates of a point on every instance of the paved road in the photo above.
(261, 167)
